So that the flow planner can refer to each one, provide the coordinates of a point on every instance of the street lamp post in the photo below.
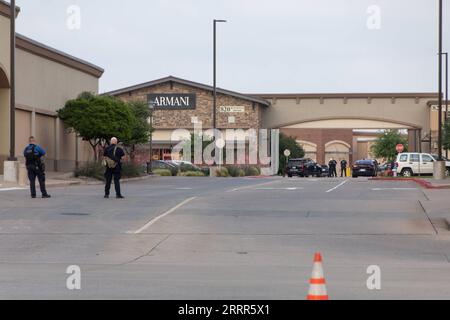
(12, 107)
(214, 72)
(152, 105)
(446, 94)
(440, 84)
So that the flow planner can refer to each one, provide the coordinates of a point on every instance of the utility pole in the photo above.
(12, 76)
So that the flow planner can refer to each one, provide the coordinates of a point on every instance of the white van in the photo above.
(412, 163)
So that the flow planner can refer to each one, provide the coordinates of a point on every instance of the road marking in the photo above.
(338, 186)
(381, 189)
(289, 189)
(12, 189)
(154, 220)
(252, 186)
(183, 188)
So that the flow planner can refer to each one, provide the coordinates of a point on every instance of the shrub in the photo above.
(222, 172)
(236, 171)
(96, 170)
(163, 172)
(91, 170)
(191, 174)
(185, 167)
(130, 170)
(206, 171)
(252, 171)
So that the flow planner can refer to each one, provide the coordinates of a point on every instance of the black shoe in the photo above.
(46, 196)
(120, 197)
(33, 197)
(106, 196)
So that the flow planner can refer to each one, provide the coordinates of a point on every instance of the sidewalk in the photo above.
(63, 179)
(428, 183)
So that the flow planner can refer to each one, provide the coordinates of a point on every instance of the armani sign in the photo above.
(173, 100)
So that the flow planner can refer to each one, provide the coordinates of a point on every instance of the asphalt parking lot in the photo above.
(225, 238)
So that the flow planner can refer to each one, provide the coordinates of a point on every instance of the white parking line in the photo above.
(289, 189)
(154, 220)
(381, 189)
(12, 189)
(338, 186)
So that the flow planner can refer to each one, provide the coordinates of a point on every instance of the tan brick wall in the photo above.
(321, 137)
(174, 119)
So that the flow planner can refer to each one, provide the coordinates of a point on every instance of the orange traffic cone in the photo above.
(317, 288)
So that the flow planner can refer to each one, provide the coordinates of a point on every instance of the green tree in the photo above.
(97, 119)
(384, 146)
(446, 136)
(289, 143)
(141, 128)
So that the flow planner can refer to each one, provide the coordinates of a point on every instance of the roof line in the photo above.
(187, 83)
(56, 55)
(346, 95)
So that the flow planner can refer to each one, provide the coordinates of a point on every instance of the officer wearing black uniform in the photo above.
(332, 167)
(33, 154)
(343, 168)
(113, 156)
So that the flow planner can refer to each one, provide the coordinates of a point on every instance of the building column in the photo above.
(33, 122)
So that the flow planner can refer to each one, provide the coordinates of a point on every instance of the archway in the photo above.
(338, 150)
(310, 149)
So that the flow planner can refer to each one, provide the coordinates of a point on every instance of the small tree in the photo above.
(385, 145)
(446, 136)
(141, 128)
(97, 119)
(287, 142)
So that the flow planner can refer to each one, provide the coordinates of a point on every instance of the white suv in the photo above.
(412, 163)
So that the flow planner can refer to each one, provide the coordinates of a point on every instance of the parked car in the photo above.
(409, 164)
(385, 169)
(159, 164)
(447, 164)
(303, 167)
(365, 168)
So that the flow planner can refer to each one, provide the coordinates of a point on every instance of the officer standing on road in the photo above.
(112, 161)
(33, 154)
(332, 165)
(343, 168)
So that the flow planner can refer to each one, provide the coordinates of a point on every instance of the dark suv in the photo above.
(303, 168)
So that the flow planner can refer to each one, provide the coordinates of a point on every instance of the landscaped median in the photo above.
(422, 182)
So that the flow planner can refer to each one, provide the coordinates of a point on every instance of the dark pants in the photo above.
(34, 173)
(109, 174)
(344, 172)
(333, 172)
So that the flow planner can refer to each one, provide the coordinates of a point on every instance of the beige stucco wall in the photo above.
(4, 44)
(45, 84)
(406, 111)
(4, 92)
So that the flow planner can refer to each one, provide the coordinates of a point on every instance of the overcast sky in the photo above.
(276, 46)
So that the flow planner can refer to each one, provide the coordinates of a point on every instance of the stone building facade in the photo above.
(233, 111)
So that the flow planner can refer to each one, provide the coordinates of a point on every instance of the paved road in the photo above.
(237, 238)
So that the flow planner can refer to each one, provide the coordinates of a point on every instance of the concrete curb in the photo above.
(425, 184)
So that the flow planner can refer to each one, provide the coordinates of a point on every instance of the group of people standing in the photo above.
(112, 161)
(332, 164)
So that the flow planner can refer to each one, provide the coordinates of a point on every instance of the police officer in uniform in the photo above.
(33, 154)
(343, 168)
(112, 161)
(332, 165)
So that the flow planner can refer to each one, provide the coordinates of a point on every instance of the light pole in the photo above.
(440, 85)
(151, 105)
(446, 94)
(214, 72)
(12, 105)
